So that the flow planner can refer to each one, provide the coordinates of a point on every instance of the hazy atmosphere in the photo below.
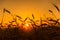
(29, 19)
(25, 8)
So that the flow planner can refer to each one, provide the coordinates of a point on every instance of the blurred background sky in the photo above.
(25, 8)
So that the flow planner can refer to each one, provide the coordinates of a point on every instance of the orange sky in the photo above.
(25, 8)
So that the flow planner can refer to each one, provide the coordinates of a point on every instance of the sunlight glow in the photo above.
(27, 27)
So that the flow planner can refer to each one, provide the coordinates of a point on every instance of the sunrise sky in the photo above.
(25, 8)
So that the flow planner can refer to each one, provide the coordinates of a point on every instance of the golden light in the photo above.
(27, 27)
(27, 24)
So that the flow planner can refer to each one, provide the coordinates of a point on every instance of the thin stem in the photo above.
(14, 19)
(2, 19)
(55, 16)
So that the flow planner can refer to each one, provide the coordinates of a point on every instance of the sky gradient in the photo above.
(25, 8)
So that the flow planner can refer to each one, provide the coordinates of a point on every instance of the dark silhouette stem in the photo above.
(55, 16)
(14, 19)
(2, 19)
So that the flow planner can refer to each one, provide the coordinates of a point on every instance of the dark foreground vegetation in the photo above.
(44, 33)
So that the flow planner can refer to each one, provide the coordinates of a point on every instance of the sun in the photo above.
(27, 24)
(26, 27)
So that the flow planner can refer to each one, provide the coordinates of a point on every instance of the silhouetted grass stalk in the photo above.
(2, 20)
